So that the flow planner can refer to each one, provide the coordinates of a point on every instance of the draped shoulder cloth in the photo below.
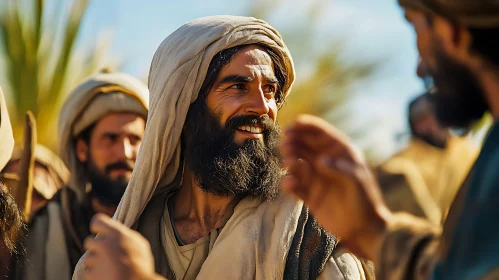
(177, 72)
(94, 98)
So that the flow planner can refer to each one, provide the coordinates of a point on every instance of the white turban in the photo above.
(6, 136)
(94, 98)
(178, 70)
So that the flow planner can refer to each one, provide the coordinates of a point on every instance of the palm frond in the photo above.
(39, 53)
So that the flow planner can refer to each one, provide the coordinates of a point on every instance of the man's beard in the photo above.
(459, 100)
(224, 168)
(108, 191)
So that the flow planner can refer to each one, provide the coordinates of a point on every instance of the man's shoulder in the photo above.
(56, 201)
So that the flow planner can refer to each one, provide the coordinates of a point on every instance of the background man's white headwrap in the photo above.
(177, 73)
(94, 98)
(6, 136)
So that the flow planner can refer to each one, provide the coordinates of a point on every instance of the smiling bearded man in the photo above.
(205, 193)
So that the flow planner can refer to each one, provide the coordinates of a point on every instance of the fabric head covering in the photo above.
(54, 165)
(471, 13)
(6, 136)
(94, 98)
(178, 70)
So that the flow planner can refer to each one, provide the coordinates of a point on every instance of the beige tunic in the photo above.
(253, 244)
(185, 260)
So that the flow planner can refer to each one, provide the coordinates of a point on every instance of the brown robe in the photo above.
(75, 219)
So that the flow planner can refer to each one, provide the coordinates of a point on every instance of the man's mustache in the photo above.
(127, 165)
(236, 122)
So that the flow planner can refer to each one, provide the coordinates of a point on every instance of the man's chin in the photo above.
(453, 116)
(119, 175)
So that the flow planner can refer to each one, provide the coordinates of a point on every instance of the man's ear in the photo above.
(82, 150)
(456, 39)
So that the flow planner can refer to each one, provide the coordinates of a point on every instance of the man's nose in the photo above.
(257, 103)
(124, 150)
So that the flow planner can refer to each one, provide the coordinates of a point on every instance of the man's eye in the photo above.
(111, 138)
(270, 91)
(134, 139)
(270, 88)
(237, 86)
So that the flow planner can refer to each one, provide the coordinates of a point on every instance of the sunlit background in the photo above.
(355, 59)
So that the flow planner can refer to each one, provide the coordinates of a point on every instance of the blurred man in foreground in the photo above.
(423, 179)
(205, 193)
(101, 125)
(458, 42)
(50, 174)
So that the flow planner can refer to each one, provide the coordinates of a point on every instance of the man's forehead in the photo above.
(119, 121)
(252, 58)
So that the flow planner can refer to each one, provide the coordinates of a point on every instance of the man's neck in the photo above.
(196, 213)
(101, 208)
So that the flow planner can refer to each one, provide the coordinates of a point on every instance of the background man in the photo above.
(423, 179)
(100, 130)
(458, 42)
(205, 192)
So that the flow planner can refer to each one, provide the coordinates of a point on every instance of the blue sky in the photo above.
(372, 30)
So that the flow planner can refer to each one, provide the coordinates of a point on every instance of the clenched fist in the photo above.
(117, 252)
(331, 177)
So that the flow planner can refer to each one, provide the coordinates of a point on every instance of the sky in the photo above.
(371, 31)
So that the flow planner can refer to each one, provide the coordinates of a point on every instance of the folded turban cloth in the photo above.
(471, 13)
(177, 73)
(6, 136)
(56, 168)
(94, 98)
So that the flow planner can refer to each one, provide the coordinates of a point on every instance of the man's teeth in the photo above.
(252, 129)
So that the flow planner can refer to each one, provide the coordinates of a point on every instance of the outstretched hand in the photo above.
(117, 252)
(331, 177)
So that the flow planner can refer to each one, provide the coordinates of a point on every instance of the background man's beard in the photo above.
(107, 191)
(224, 168)
(459, 100)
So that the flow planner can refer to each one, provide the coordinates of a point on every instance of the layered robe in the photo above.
(423, 180)
(261, 240)
(468, 247)
(56, 233)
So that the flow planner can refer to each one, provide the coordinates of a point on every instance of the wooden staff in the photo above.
(23, 192)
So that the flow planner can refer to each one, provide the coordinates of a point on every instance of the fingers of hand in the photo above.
(316, 126)
(91, 259)
(89, 275)
(103, 225)
(96, 249)
(333, 167)
(317, 136)
(93, 245)
(299, 179)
